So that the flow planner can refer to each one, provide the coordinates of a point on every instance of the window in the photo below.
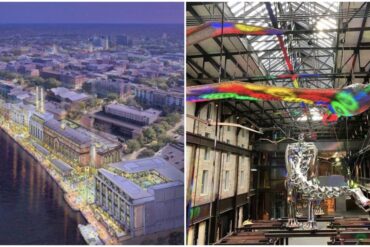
(209, 111)
(243, 135)
(226, 180)
(207, 153)
(228, 128)
(227, 141)
(227, 157)
(207, 135)
(241, 178)
(203, 189)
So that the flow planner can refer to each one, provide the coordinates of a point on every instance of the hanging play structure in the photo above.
(208, 30)
(349, 101)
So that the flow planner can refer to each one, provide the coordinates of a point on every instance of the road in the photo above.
(171, 132)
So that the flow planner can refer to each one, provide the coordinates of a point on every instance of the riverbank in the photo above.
(69, 194)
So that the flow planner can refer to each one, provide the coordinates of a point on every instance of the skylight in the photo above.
(315, 116)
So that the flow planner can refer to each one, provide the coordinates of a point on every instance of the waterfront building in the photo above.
(144, 196)
(21, 113)
(171, 99)
(79, 146)
(39, 117)
(5, 109)
(36, 124)
(122, 120)
(68, 142)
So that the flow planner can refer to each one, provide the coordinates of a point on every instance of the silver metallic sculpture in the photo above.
(300, 159)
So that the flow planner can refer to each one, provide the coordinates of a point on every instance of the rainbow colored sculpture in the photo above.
(348, 101)
(214, 29)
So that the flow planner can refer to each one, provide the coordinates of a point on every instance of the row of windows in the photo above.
(112, 196)
(63, 139)
(61, 148)
(117, 207)
(101, 179)
(209, 152)
(204, 189)
(111, 157)
(208, 135)
(127, 115)
(34, 131)
(119, 213)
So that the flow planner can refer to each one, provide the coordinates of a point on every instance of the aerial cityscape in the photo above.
(91, 118)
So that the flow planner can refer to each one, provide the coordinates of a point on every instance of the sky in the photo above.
(93, 12)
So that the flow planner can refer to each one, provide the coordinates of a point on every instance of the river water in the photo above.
(32, 208)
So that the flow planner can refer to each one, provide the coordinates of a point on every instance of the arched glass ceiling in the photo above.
(293, 16)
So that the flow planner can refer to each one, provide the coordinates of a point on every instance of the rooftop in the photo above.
(69, 94)
(72, 134)
(155, 163)
(134, 191)
(133, 110)
(174, 154)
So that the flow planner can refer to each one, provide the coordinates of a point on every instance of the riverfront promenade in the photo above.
(75, 193)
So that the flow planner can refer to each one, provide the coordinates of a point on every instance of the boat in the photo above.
(90, 235)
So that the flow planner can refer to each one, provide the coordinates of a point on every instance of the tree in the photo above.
(173, 118)
(87, 87)
(7, 75)
(36, 81)
(159, 129)
(21, 81)
(112, 96)
(52, 83)
(149, 134)
(165, 139)
(132, 145)
(81, 106)
(146, 153)
(165, 125)
(163, 86)
(156, 146)
(75, 115)
(166, 63)
(130, 101)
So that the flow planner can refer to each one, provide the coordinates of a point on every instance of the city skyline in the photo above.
(91, 13)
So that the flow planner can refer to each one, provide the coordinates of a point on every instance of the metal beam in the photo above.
(348, 48)
(321, 145)
(358, 75)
